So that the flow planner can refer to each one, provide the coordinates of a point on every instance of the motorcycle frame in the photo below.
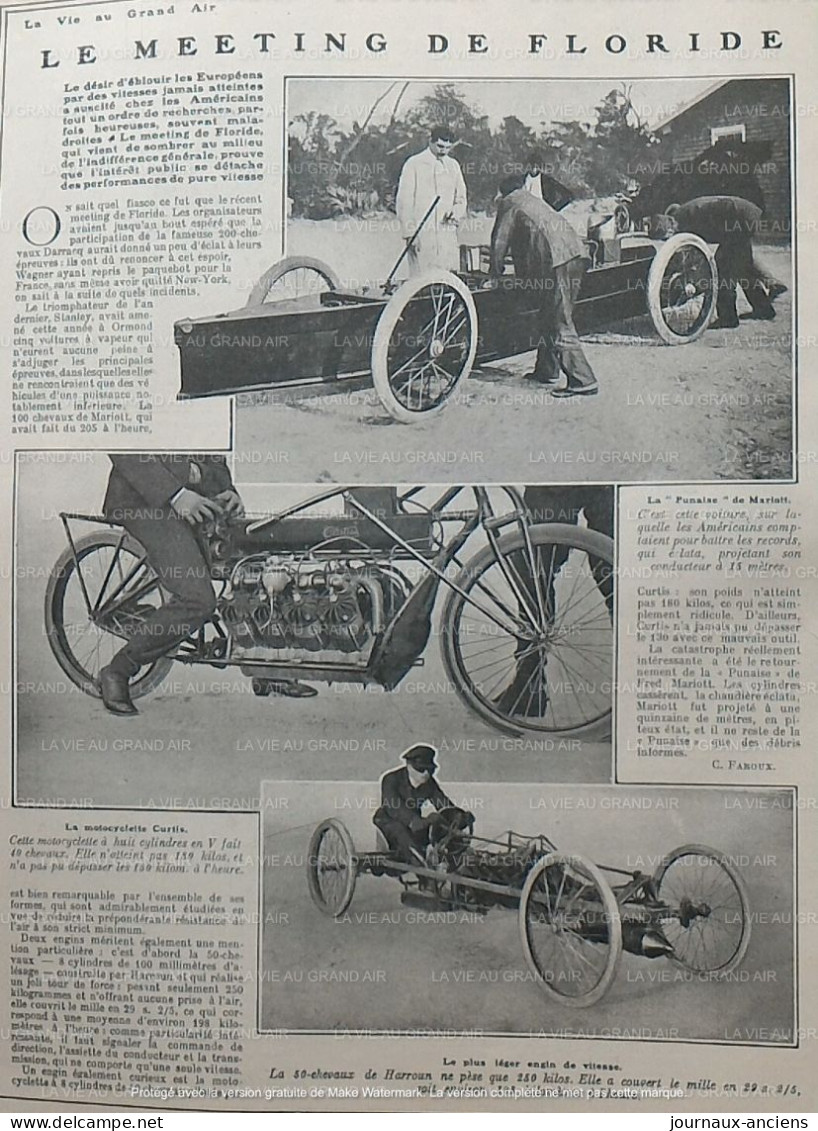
(194, 650)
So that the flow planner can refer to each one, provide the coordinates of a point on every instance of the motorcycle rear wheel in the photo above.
(81, 645)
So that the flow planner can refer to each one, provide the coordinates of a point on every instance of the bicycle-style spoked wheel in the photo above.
(424, 345)
(708, 924)
(682, 288)
(331, 867)
(91, 611)
(570, 929)
(532, 647)
(295, 278)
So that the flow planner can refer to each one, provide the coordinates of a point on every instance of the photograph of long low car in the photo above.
(512, 262)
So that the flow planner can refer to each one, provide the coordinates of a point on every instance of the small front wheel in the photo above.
(297, 277)
(424, 345)
(708, 919)
(332, 867)
(570, 928)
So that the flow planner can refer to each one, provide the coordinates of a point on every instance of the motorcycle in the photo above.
(526, 628)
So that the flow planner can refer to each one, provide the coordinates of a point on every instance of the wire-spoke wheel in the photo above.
(708, 921)
(530, 645)
(682, 288)
(424, 345)
(570, 929)
(91, 611)
(331, 867)
(297, 277)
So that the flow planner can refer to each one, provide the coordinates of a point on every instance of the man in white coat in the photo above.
(425, 176)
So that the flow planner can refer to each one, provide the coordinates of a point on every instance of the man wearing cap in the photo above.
(425, 177)
(410, 801)
(549, 258)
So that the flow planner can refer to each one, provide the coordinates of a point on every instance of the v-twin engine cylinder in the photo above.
(303, 605)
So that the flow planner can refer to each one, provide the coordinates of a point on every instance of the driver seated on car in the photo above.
(411, 805)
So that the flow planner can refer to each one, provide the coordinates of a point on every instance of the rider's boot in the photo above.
(114, 680)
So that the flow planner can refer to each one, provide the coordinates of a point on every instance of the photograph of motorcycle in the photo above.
(342, 586)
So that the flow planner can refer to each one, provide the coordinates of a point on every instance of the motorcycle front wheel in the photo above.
(527, 640)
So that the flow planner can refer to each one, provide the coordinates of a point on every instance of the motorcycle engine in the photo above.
(300, 606)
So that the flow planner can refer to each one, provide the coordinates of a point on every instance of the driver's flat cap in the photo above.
(421, 755)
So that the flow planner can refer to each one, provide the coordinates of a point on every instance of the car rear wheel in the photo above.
(682, 289)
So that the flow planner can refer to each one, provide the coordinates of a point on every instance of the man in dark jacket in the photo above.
(410, 801)
(732, 223)
(162, 500)
(548, 256)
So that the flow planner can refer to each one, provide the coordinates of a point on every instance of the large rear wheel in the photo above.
(570, 929)
(682, 289)
(709, 921)
(534, 652)
(93, 603)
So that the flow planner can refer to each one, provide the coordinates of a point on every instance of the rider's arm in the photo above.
(216, 474)
(438, 798)
(150, 478)
(500, 236)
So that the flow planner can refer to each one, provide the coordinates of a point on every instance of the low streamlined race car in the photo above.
(418, 342)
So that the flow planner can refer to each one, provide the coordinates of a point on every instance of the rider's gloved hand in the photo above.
(231, 503)
(193, 507)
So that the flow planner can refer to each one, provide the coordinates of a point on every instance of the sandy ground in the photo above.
(203, 740)
(388, 966)
(718, 408)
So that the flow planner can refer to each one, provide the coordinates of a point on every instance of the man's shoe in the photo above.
(576, 391)
(766, 314)
(724, 324)
(292, 689)
(116, 695)
(775, 290)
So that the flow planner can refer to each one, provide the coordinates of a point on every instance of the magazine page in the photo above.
(409, 569)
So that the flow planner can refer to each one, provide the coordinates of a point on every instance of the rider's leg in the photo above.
(580, 376)
(176, 557)
(178, 561)
(400, 839)
(546, 369)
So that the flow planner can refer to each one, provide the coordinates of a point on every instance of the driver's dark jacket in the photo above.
(539, 237)
(140, 483)
(402, 801)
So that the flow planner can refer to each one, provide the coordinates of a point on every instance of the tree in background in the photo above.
(333, 171)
